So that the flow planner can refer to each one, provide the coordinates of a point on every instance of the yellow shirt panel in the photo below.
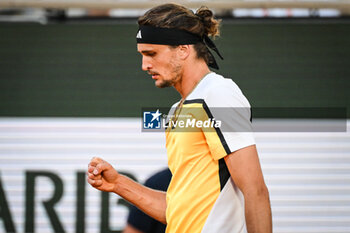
(195, 185)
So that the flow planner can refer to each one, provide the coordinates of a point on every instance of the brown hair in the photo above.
(176, 16)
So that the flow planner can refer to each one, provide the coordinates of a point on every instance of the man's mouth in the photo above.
(154, 75)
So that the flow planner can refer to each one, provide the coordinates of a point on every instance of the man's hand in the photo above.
(101, 175)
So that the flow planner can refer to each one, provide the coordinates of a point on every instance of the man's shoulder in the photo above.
(218, 91)
(215, 83)
(215, 80)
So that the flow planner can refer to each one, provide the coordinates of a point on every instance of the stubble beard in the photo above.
(177, 77)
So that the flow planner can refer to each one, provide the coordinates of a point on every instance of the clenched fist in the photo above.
(101, 175)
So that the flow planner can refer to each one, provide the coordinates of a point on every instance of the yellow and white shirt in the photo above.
(201, 196)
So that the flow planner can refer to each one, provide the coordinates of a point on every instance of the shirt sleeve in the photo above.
(227, 105)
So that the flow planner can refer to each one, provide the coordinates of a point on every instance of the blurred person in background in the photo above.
(139, 222)
(217, 183)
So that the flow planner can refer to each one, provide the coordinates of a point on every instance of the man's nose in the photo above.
(146, 65)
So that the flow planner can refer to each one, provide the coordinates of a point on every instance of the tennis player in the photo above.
(217, 184)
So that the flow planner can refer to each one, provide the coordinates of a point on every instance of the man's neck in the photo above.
(191, 76)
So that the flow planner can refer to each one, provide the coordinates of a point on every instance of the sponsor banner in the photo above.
(43, 184)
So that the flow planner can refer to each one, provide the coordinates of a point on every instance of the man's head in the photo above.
(175, 35)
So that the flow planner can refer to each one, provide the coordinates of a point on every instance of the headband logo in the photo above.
(138, 36)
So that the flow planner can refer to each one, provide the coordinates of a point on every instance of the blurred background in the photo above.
(71, 87)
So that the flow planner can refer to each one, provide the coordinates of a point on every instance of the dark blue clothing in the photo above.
(140, 220)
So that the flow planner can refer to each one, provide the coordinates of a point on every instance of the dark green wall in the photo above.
(94, 69)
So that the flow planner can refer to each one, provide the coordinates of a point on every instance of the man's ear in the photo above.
(184, 51)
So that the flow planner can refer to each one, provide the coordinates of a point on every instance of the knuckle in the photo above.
(98, 182)
(96, 159)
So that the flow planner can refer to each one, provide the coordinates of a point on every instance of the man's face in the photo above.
(162, 62)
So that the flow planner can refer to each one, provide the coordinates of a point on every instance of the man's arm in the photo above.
(102, 176)
(245, 170)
